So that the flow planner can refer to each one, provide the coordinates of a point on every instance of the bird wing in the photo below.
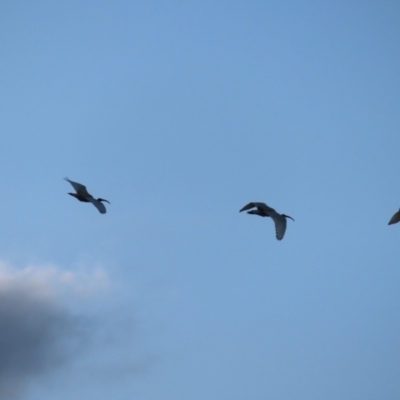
(260, 206)
(280, 227)
(99, 205)
(395, 218)
(79, 188)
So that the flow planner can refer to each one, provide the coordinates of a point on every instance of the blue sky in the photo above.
(179, 114)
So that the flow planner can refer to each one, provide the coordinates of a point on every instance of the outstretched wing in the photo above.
(280, 227)
(99, 205)
(395, 218)
(79, 188)
(260, 206)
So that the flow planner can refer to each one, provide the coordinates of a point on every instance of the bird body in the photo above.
(83, 195)
(263, 210)
(395, 218)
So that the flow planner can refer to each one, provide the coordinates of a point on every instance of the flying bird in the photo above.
(263, 210)
(395, 218)
(83, 195)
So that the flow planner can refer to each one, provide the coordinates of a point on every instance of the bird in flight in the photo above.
(83, 195)
(395, 218)
(263, 210)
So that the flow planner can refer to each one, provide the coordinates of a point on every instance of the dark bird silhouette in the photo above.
(263, 210)
(83, 195)
(395, 219)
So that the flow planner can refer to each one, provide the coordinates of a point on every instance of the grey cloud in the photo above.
(37, 335)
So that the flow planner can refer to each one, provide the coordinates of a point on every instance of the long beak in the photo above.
(287, 216)
(103, 200)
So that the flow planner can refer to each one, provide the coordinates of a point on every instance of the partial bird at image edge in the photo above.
(395, 219)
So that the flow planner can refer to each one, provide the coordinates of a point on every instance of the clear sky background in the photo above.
(180, 113)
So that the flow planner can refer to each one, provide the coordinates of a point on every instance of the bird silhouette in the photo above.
(395, 218)
(263, 210)
(83, 195)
